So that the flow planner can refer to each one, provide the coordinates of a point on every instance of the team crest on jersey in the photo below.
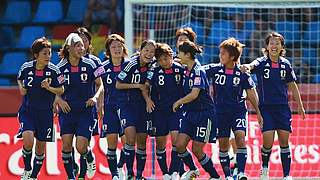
(122, 75)
(83, 69)
(84, 77)
(236, 81)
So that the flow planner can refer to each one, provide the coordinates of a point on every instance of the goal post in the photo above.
(249, 21)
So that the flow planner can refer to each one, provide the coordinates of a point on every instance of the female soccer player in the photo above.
(116, 52)
(86, 38)
(80, 75)
(39, 81)
(166, 83)
(275, 77)
(199, 123)
(230, 86)
(131, 82)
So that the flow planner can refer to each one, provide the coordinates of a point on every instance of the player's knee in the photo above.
(82, 148)
(241, 142)
(180, 147)
(28, 145)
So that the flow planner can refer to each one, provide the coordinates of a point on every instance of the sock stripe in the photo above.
(265, 150)
(40, 157)
(242, 150)
(223, 154)
(66, 154)
(141, 151)
(111, 152)
(285, 149)
(161, 151)
(129, 147)
(185, 154)
(204, 160)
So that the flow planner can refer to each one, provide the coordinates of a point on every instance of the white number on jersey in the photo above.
(135, 78)
(29, 83)
(241, 123)
(220, 79)
(201, 132)
(266, 73)
(161, 80)
(109, 80)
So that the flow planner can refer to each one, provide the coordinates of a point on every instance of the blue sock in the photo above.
(175, 161)
(241, 159)
(130, 153)
(88, 156)
(112, 161)
(83, 167)
(122, 159)
(225, 162)
(141, 157)
(265, 156)
(285, 160)
(207, 165)
(187, 159)
(162, 160)
(27, 155)
(68, 164)
(37, 164)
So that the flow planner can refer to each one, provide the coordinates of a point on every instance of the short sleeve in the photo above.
(248, 82)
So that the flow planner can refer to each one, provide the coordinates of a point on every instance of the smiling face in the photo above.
(274, 47)
(116, 49)
(43, 57)
(147, 53)
(225, 57)
(165, 61)
(77, 50)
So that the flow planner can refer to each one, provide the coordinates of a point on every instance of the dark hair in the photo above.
(233, 46)
(63, 52)
(144, 44)
(38, 45)
(187, 31)
(267, 40)
(190, 47)
(84, 31)
(163, 49)
(110, 39)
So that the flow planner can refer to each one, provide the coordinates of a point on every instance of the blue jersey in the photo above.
(272, 80)
(229, 87)
(132, 73)
(79, 81)
(38, 97)
(95, 59)
(109, 82)
(196, 78)
(166, 85)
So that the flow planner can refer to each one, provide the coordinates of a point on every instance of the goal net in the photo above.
(249, 21)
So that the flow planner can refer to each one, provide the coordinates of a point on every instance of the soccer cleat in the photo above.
(287, 178)
(121, 173)
(91, 168)
(242, 176)
(115, 178)
(229, 178)
(190, 174)
(235, 172)
(264, 174)
(26, 175)
(166, 177)
(175, 176)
